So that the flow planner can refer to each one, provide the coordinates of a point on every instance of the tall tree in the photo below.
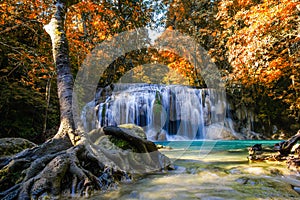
(70, 161)
(56, 30)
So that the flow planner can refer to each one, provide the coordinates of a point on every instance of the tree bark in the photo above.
(64, 77)
(69, 163)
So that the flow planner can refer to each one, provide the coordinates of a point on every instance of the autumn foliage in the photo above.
(262, 42)
(28, 102)
(255, 44)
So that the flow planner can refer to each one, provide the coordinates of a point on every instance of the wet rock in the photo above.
(245, 180)
(276, 172)
(95, 134)
(265, 186)
(134, 195)
(159, 146)
(279, 136)
(235, 171)
(162, 136)
(212, 198)
(297, 189)
(154, 135)
(217, 131)
(242, 180)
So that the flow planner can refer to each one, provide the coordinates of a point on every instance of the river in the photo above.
(211, 170)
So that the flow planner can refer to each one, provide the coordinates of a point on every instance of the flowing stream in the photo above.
(222, 173)
(194, 124)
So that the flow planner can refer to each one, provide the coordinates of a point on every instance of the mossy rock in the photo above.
(11, 146)
(98, 137)
(122, 143)
(134, 129)
(130, 129)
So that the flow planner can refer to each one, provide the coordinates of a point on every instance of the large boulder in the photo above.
(11, 146)
(134, 129)
(137, 154)
(97, 136)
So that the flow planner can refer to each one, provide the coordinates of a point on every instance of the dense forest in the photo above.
(254, 43)
(44, 44)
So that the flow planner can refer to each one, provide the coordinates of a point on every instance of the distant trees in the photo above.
(256, 46)
(26, 71)
(28, 99)
(262, 40)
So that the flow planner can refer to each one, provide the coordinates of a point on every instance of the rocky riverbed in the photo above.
(220, 174)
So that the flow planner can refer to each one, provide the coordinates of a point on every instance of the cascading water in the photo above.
(170, 112)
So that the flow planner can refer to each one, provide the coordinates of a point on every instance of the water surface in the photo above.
(212, 170)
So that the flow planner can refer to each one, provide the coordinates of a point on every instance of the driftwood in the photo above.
(283, 151)
(285, 147)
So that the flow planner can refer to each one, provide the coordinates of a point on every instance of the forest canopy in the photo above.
(254, 43)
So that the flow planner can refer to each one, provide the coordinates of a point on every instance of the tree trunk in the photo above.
(48, 95)
(63, 165)
(64, 77)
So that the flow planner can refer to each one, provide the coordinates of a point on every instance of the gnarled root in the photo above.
(59, 168)
(75, 171)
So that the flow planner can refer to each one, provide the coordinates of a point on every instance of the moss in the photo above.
(260, 187)
(122, 144)
(11, 146)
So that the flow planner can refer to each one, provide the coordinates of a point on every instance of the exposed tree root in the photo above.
(71, 163)
(57, 168)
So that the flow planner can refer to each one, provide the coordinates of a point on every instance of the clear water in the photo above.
(217, 145)
(212, 170)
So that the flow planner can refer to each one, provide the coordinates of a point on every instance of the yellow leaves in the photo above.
(181, 9)
(202, 30)
(32, 16)
(259, 50)
(121, 70)
(3, 5)
(101, 36)
(95, 23)
(44, 77)
(177, 63)
(244, 3)
(116, 25)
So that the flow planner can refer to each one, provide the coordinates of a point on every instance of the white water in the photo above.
(165, 112)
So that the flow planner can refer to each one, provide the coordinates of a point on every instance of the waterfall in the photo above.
(166, 112)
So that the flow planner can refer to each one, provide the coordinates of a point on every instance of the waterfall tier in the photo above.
(170, 112)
